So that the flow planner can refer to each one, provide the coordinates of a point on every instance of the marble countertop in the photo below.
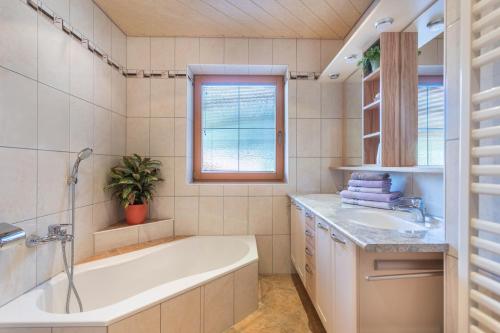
(327, 206)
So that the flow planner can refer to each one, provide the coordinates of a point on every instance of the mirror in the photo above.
(430, 146)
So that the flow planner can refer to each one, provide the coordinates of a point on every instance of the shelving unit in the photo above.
(389, 96)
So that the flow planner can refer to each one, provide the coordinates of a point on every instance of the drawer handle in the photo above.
(322, 226)
(309, 233)
(336, 239)
(308, 269)
(308, 252)
(309, 214)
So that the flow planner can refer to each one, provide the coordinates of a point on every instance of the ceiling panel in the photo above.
(328, 19)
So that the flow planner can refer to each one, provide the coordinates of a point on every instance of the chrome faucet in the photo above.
(413, 205)
(57, 232)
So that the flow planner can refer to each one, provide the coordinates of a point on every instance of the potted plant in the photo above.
(364, 63)
(133, 183)
(373, 56)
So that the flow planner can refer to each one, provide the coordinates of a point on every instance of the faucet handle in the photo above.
(416, 202)
(57, 229)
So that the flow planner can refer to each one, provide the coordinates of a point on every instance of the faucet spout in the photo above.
(412, 205)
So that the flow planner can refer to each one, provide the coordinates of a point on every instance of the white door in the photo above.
(346, 295)
(323, 280)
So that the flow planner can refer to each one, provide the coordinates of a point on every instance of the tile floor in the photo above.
(283, 307)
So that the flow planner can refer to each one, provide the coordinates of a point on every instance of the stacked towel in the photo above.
(371, 190)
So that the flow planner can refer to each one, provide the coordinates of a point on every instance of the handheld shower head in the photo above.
(83, 154)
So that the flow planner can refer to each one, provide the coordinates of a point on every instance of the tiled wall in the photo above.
(157, 120)
(427, 186)
(56, 97)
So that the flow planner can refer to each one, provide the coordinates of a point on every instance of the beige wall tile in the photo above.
(265, 250)
(102, 165)
(292, 137)
(162, 208)
(53, 55)
(308, 175)
(167, 186)
(103, 215)
(331, 180)
(236, 190)
(138, 136)
(308, 137)
(53, 191)
(290, 186)
(180, 97)
(81, 74)
(308, 55)
(308, 99)
(138, 53)
(281, 254)
(156, 230)
(84, 237)
(331, 137)
(332, 100)
(118, 92)
(112, 239)
(162, 53)
(102, 30)
(260, 215)
(246, 285)
(211, 216)
(19, 265)
(138, 97)
(256, 190)
(85, 187)
(118, 134)
(187, 51)
(211, 50)
(218, 304)
(18, 38)
(236, 51)
(145, 321)
(60, 8)
(260, 51)
(118, 45)
(162, 137)
(292, 98)
(182, 313)
(81, 14)
(53, 119)
(186, 215)
(102, 83)
(235, 215)
(17, 129)
(102, 131)
(329, 49)
(285, 53)
(281, 216)
(352, 138)
(182, 187)
(162, 97)
(210, 190)
(180, 137)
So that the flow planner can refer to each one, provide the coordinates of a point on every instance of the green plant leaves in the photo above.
(134, 180)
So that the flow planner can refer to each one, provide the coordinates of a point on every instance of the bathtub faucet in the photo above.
(57, 232)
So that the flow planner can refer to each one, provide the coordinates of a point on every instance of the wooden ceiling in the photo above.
(326, 19)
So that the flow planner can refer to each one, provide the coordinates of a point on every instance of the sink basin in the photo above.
(378, 219)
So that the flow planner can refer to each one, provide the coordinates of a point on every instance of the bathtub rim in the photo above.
(11, 317)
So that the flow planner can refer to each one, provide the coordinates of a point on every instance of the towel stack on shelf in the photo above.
(370, 190)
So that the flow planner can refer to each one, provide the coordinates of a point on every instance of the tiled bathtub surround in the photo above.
(158, 125)
(56, 98)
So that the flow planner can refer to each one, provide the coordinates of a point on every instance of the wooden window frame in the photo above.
(278, 175)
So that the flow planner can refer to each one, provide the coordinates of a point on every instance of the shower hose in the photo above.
(67, 269)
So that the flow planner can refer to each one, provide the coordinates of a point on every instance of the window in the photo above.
(430, 121)
(238, 128)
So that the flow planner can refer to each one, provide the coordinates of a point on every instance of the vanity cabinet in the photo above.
(355, 291)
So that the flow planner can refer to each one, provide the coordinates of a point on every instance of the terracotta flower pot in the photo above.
(136, 214)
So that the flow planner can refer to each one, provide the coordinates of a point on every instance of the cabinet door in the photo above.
(300, 255)
(346, 293)
(323, 281)
(293, 232)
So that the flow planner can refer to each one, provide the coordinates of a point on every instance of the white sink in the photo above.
(377, 219)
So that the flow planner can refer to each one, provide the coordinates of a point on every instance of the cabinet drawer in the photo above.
(311, 262)
(310, 282)
(310, 220)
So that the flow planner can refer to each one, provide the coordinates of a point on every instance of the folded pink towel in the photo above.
(370, 183)
(382, 197)
(366, 203)
(369, 176)
(370, 189)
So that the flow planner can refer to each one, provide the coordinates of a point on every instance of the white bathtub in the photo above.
(117, 287)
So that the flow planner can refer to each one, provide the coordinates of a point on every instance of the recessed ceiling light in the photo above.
(334, 76)
(350, 59)
(436, 24)
(384, 23)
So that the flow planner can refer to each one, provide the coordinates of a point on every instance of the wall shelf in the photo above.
(372, 105)
(375, 75)
(371, 135)
(377, 168)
